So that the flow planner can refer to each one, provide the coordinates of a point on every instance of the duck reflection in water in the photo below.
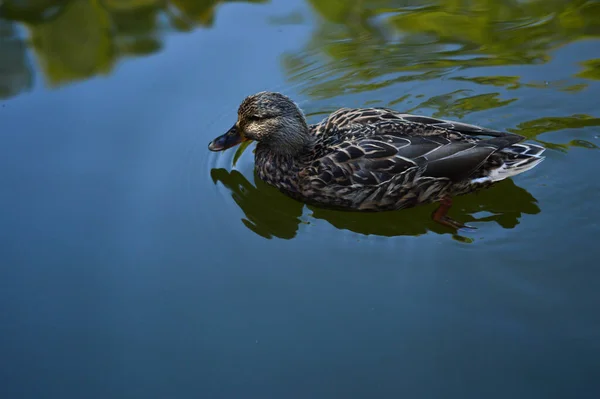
(270, 213)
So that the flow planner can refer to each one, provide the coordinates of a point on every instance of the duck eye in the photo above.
(254, 118)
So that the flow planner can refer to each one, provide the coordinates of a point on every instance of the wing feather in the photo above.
(345, 117)
(374, 146)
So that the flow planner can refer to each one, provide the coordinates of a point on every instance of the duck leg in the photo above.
(439, 215)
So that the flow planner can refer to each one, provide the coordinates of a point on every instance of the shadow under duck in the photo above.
(374, 159)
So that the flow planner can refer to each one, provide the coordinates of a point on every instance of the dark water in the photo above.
(136, 264)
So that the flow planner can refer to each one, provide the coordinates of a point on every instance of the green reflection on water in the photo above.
(378, 43)
(591, 69)
(80, 39)
(370, 44)
(457, 104)
(550, 124)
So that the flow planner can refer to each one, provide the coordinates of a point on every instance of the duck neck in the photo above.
(279, 168)
(292, 139)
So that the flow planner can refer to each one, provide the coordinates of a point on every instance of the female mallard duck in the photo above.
(374, 159)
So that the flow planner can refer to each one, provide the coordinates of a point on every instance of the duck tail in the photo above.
(518, 158)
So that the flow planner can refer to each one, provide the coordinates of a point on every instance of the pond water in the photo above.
(134, 263)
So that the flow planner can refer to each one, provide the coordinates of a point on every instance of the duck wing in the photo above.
(414, 124)
(376, 153)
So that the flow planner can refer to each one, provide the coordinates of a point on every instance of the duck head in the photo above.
(271, 119)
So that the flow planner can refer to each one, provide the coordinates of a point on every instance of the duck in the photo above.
(374, 159)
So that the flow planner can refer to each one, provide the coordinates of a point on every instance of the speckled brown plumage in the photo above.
(375, 159)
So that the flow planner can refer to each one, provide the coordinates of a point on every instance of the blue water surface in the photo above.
(134, 263)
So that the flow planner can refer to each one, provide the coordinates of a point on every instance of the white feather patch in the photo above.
(505, 171)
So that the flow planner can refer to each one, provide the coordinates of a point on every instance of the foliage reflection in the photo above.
(79, 39)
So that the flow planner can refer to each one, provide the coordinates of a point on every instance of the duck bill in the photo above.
(230, 139)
